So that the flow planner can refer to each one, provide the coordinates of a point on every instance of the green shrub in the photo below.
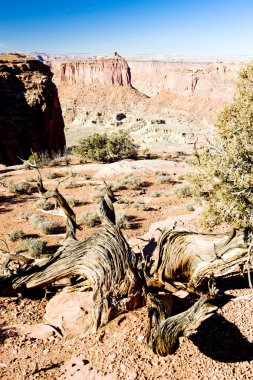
(223, 181)
(162, 178)
(74, 185)
(45, 205)
(73, 202)
(49, 227)
(122, 220)
(131, 182)
(22, 187)
(16, 235)
(107, 148)
(34, 247)
(45, 225)
(53, 175)
(90, 219)
(183, 191)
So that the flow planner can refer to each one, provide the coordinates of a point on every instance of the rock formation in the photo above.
(106, 71)
(30, 112)
(213, 79)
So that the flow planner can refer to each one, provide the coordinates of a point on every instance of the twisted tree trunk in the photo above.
(120, 281)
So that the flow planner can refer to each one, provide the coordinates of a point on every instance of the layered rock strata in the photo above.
(213, 79)
(106, 71)
(30, 111)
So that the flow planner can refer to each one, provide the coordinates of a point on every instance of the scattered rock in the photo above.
(70, 312)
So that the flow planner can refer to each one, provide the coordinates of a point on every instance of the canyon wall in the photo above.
(215, 80)
(30, 111)
(106, 71)
(186, 95)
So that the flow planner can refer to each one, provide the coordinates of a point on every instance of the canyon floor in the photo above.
(223, 347)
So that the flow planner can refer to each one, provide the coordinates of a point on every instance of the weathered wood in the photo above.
(164, 337)
(190, 259)
(120, 281)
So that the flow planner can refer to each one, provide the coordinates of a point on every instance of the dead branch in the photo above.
(164, 339)
(190, 257)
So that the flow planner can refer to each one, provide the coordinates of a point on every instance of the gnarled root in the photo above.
(164, 339)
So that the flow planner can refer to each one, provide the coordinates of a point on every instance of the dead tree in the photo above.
(185, 259)
(117, 280)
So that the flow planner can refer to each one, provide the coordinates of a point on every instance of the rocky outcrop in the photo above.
(30, 112)
(212, 80)
(106, 71)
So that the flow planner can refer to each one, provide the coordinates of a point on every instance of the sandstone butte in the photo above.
(195, 90)
(30, 111)
(106, 71)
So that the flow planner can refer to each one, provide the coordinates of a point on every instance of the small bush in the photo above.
(164, 179)
(138, 205)
(116, 186)
(49, 227)
(34, 247)
(90, 219)
(53, 175)
(74, 185)
(16, 235)
(50, 159)
(106, 148)
(122, 220)
(73, 202)
(132, 182)
(22, 187)
(183, 191)
(45, 225)
(45, 205)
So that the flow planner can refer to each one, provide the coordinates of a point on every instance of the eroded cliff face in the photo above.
(210, 80)
(30, 112)
(106, 71)
(186, 96)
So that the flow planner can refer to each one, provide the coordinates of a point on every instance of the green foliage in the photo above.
(33, 157)
(22, 187)
(131, 182)
(183, 191)
(33, 247)
(15, 235)
(106, 148)
(90, 219)
(45, 225)
(122, 220)
(224, 177)
(45, 204)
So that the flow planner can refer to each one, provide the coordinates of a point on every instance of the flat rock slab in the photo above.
(70, 312)
(38, 331)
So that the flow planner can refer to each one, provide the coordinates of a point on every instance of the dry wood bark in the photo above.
(120, 281)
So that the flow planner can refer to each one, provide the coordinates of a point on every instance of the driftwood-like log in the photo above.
(119, 281)
(107, 264)
(188, 259)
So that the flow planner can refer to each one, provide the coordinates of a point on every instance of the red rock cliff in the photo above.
(107, 71)
(30, 112)
(209, 80)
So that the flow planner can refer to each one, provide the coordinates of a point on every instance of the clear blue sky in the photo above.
(195, 27)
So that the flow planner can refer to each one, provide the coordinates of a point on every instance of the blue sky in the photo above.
(187, 27)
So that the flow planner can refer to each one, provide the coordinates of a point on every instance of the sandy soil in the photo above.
(221, 350)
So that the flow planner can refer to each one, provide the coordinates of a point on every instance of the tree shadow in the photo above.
(10, 200)
(221, 340)
(239, 281)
